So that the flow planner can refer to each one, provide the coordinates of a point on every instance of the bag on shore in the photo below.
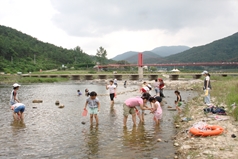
(215, 110)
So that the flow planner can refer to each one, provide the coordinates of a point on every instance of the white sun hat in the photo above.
(16, 85)
(204, 72)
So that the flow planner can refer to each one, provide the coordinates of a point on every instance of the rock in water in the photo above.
(57, 102)
(61, 106)
(37, 101)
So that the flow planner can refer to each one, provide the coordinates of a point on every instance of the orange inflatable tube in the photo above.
(211, 131)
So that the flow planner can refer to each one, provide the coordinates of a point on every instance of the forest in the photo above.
(20, 52)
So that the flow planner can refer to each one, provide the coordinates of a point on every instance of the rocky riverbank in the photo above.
(192, 147)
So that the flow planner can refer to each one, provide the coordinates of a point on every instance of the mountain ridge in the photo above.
(158, 52)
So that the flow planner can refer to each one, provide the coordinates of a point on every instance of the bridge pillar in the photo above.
(118, 77)
(102, 76)
(75, 77)
(197, 76)
(153, 77)
(174, 77)
(140, 66)
(134, 77)
(140, 72)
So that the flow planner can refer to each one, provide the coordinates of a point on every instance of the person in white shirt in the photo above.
(207, 87)
(14, 95)
(112, 90)
(115, 82)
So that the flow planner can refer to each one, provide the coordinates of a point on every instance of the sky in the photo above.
(122, 25)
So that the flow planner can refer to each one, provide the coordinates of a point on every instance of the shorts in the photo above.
(112, 95)
(128, 110)
(19, 109)
(93, 110)
(179, 104)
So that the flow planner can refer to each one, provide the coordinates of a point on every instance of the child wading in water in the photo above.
(112, 91)
(14, 95)
(178, 102)
(18, 110)
(94, 106)
(157, 110)
(79, 93)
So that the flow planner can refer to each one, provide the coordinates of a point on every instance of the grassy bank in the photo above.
(41, 80)
(224, 93)
(9, 79)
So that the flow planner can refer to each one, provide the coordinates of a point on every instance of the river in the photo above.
(51, 132)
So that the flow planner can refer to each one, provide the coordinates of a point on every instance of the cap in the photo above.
(16, 85)
(204, 72)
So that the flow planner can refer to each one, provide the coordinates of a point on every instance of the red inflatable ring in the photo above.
(211, 130)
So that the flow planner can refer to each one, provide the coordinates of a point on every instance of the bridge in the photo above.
(173, 64)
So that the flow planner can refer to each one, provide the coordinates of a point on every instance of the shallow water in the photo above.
(50, 132)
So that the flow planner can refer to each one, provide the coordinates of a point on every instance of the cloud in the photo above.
(97, 18)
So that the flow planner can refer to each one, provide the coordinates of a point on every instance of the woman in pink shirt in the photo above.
(130, 104)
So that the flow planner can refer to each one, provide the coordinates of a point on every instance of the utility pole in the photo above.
(34, 58)
(12, 59)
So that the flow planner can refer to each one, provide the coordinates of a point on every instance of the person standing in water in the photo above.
(161, 87)
(94, 106)
(207, 87)
(79, 93)
(178, 102)
(130, 104)
(157, 110)
(125, 84)
(112, 90)
(18, 110)
(156, 87)
(14, 95)
(87, 92)
(115, 82)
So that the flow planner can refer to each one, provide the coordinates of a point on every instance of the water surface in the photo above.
(51, 132)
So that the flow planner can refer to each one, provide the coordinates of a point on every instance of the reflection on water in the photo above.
(50, 132)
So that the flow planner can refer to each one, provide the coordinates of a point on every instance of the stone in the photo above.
(61, 106)
(207, 152)
(37, 101)
(176, 144)
(186, 147)
(83, 122)
(158, 140)
(175, 156)
(57, 102)
(177, 126)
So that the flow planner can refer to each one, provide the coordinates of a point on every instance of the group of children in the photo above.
(17, 107)
(135, 105)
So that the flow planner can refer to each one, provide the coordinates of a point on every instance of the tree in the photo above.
(101, 55)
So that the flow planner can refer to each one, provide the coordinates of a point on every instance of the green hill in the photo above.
(225, 49)
(164, 51)
(151, 56)
(20, 52)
